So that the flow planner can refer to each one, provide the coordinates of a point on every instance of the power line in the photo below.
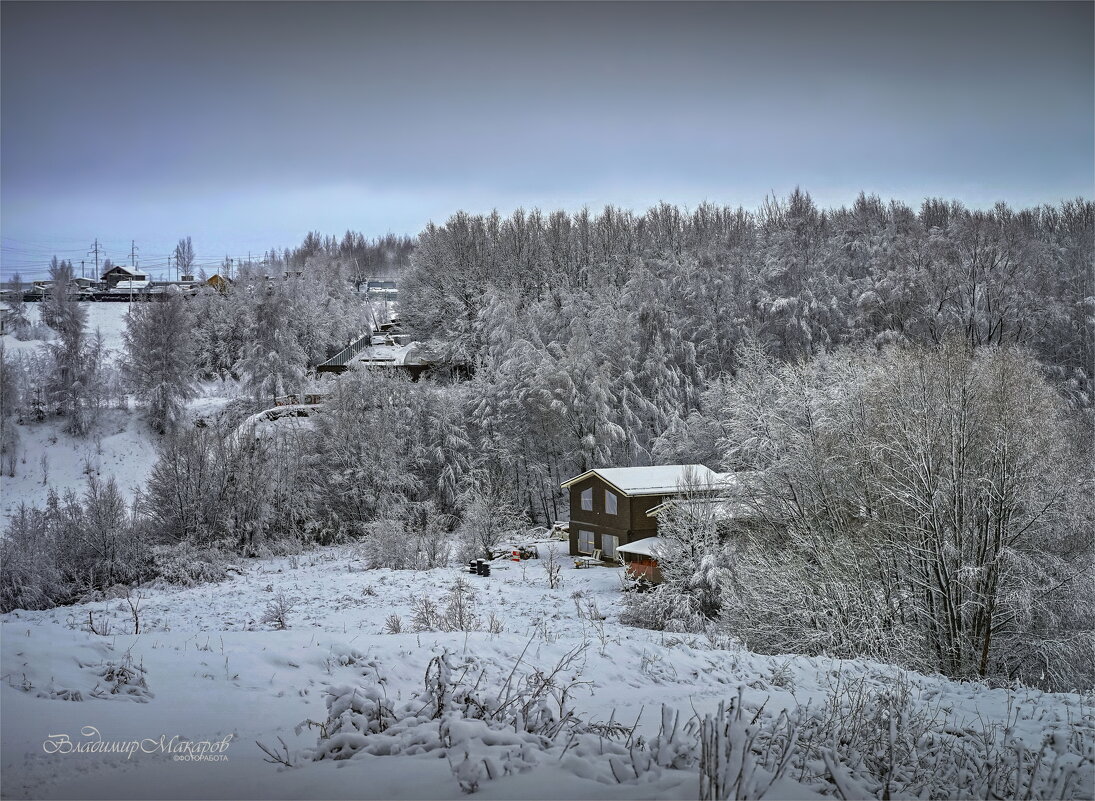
(96, 250)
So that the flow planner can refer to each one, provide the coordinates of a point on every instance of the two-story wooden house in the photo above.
(610, 506)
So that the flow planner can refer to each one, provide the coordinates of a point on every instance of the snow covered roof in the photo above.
(390, 354)
(120, 268)
(128, 286)
(655, 480)
(732, 498)
(720, 508)
(643, 547)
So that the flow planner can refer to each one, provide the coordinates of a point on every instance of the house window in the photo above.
(587, 499)
(610, 502)
(585, 541)
(608, 545)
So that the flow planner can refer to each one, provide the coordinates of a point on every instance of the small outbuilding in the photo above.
(641, 559)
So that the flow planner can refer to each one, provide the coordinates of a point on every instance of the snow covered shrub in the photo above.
(123, 679)
(188, 565)
(412, 537)
(664, 608)
(460, 607)
(393, 624)
(880, 735)
(29, 576)
(732, 761)
(75, 546)
(457, 614)
(425, 615)
(278, 610)
(553, 569)
(352, 714)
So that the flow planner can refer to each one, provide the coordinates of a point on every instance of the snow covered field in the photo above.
(204, 667)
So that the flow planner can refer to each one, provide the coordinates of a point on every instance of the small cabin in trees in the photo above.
(120, 273)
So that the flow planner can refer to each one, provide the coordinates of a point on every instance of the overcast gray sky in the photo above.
(245, 125)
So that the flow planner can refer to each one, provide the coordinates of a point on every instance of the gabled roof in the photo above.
(121, 268)
(655, 480)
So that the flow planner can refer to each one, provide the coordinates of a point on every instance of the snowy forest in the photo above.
(909, 390)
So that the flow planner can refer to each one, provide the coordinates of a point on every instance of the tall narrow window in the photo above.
(610, 502)
(585, 541)
(587, 499)
(608, 545)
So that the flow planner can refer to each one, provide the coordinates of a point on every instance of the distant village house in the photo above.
(120, 273)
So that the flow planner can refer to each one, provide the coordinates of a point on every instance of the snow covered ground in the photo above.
(120, 446)
(204, 667)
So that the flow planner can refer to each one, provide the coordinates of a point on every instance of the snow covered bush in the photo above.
(76, 545)
(123, 680)
(663, 608)
(278, 610)
(881, 735)
(413, 536)
(29, 574)
(456, 614)
(187, 564)
(732, 762)
(485, 730)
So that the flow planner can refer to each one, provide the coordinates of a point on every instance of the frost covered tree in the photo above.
(693, 558)
(922, 506)
(9, 404)
(160, 360)
(274, 363)
(72, 364)
(17, 319)
(489, 514)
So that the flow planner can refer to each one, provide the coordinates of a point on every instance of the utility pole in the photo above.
(96, 250)
(83, 272)
(133, 252)
(169, 257)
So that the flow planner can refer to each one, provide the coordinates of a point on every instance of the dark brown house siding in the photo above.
(629, 524)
